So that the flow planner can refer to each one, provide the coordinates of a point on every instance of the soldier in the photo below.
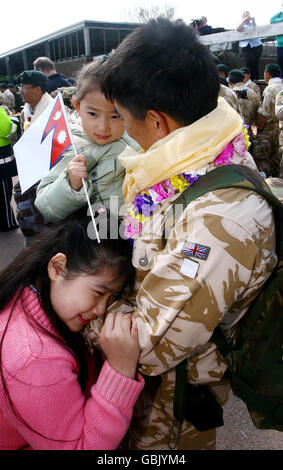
(206, 268)
(7, 100)
(34, 93)
(266, 142)
(279, 115)
(248, 100)
(231, 98)
(223, 73)
(249, 83)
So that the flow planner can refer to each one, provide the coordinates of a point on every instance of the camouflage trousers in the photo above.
(152, 426)
(266, 152)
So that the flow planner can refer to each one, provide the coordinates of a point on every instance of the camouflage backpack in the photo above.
(255, 359)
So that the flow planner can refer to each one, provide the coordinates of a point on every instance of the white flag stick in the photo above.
(83, 181)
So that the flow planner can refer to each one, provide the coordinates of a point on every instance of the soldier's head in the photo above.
(235, 76)
(271, 71)
(247, 74)
(33, 85)
(3, 87)
(161, 77)
(222, 70)
(44, 65)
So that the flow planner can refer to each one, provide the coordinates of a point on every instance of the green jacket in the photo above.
(6, 128)
(277, 19)
(56, 199)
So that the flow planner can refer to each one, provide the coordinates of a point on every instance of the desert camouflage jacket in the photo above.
(267, 108)
(248, 105)
(178, 304)
(279, 108)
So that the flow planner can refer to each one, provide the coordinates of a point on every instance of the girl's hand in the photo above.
(120, 344)
(77, 171)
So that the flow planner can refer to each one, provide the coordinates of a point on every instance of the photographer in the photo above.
(251, 48)
(201, 26)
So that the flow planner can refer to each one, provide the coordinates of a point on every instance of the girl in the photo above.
(48, 395)
(98, 143)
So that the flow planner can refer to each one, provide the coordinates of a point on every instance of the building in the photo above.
(69, 48)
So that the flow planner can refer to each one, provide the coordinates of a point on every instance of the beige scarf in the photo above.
(186, 149)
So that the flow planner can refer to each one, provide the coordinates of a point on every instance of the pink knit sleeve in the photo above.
(58, 415)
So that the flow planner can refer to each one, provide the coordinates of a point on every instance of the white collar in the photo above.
(275, 80)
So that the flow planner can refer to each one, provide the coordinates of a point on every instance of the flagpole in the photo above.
(83, 181)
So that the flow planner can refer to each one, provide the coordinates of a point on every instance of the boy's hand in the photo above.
(119, 342)
(77, 171)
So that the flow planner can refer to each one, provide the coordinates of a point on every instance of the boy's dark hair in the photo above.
(162, 65)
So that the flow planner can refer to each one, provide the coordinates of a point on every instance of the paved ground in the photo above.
(238, 433)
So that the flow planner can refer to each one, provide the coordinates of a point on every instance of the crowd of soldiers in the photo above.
(261, 112)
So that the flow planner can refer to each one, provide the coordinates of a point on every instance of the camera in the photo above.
(196, 23)
(241, 94)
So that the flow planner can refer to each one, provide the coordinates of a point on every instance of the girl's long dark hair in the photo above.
(84, 255)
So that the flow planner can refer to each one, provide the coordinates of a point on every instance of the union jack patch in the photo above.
(195, 250)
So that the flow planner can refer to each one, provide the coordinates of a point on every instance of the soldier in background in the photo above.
(230, 96)
(279, 115)
(248, 81)
(248, 100)
(266, 142)
(8, 97)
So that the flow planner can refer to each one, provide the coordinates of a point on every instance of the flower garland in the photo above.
(146, 202)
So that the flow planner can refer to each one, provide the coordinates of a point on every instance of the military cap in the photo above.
(245, 70)
(273, 69)
(10, 85)
(3, 85)
(236, 76)
(223, 68)
(32, 77)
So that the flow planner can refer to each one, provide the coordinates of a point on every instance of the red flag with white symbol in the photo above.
(58, 123)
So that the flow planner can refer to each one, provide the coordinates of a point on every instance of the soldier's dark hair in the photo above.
(89, 77)
(162, 65)
(43, 63)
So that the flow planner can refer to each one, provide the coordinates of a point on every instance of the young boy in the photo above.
(219, 251)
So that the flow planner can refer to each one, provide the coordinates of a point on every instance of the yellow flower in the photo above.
(246, 138)
(139, 217)
(179, 183)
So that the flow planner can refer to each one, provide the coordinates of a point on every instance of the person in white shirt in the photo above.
(251, 48)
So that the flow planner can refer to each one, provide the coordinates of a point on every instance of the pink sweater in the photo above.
(42, 378)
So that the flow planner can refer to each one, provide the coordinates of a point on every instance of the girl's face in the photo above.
(82, 298)
(100, 121)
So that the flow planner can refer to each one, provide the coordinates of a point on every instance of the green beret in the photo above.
(223, 68)
(236, 76)
(273, 69)
(32, 77)
(245, 70)
(3, 85)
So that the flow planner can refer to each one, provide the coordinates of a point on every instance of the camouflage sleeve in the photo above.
(266, 108)
(178, 308)
(279, 106)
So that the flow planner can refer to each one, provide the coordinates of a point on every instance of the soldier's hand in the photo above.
(77, 170)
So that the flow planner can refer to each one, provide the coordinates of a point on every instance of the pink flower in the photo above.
(225, 156)
(239, 145)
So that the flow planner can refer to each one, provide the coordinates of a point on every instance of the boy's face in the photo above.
(100, 121)
(141, 131)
